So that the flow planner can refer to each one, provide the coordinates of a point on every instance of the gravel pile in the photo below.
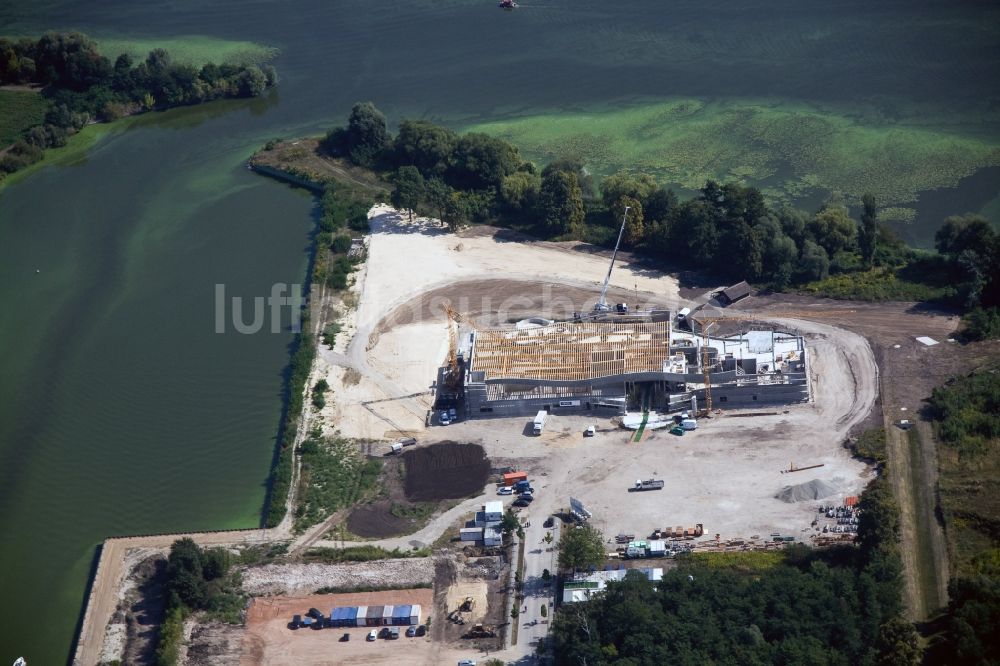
(307, 578)
(812, 490)
(487, 568)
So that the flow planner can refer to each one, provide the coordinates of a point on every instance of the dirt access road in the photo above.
(909, 371)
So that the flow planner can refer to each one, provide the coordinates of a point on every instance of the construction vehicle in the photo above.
(481, 631)
(467, 605)
(649, 484)
(602, 304)
(539, 422)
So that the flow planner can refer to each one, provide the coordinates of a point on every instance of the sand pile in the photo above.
(812, 490)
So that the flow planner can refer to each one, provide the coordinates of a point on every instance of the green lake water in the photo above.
(123, 412)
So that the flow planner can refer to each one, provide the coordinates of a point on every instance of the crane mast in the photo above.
(602, 305)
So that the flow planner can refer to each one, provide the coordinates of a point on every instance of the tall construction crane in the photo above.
(602, 304)
(454, 376)
(706, 323)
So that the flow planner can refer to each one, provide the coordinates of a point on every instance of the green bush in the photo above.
(360, 554)
(340, 244)
(967, 413)
(871, 445)
(981, 324)
(171, 634)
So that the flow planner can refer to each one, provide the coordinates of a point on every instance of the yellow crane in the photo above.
(706, 323)
(453, 376)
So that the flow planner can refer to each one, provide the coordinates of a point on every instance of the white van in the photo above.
(689, 424)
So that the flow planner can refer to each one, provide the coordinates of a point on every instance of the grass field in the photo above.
(788, 150)
(750, 561)
(969, 494)
(189, 49)
(19, 110)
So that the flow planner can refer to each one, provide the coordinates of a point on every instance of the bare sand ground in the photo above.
(406, 260)
(269, 641)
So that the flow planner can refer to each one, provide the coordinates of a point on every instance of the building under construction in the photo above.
(615, 364)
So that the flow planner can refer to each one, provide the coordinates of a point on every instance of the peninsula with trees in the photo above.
(60, 82)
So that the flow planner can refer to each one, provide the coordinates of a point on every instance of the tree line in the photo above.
(196, 579)
(729, 229)
(82, 85)
(839, 606)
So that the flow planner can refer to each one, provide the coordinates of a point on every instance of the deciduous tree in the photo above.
(868, 231)
(409, 189)
(560, 204)
(581, 547)
(367, 134)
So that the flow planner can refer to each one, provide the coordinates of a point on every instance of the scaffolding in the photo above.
(572, 352)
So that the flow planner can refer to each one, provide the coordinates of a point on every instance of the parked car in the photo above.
(453, 414)
(345, 638)
(421, 630)
(444, 418)
(372, 635)
(393, 633)
(527, 497)
(411, 631)
(384, 632)
(296, 622)
(505, 490)
(549, 522)
(315, 614)
(590, 431)
(521, 503)
(467, 662)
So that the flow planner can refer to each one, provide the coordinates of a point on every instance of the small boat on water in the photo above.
(20, 662)
(507, 4)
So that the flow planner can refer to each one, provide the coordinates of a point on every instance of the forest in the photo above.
(727, 229)
(81, 85)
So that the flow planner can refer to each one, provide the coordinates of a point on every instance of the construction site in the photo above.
(672, 423)
(598, 377)
(612, 366)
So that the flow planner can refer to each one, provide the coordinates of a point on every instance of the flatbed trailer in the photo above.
(649, 484)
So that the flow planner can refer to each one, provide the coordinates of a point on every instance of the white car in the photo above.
(467, 662)
(590, 431)
(372, 636)
(505, 490)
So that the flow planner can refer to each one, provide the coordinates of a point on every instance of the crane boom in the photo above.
(602, 305)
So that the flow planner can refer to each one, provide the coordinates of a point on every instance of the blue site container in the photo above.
(401, 615)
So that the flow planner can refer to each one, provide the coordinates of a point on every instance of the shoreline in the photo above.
(106, 578)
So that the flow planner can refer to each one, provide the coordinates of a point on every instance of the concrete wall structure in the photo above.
(660, 370)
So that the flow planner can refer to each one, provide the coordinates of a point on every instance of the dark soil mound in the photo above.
(376, 520)
(445, 471)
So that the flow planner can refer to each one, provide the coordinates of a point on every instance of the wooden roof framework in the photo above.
(572, 352)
